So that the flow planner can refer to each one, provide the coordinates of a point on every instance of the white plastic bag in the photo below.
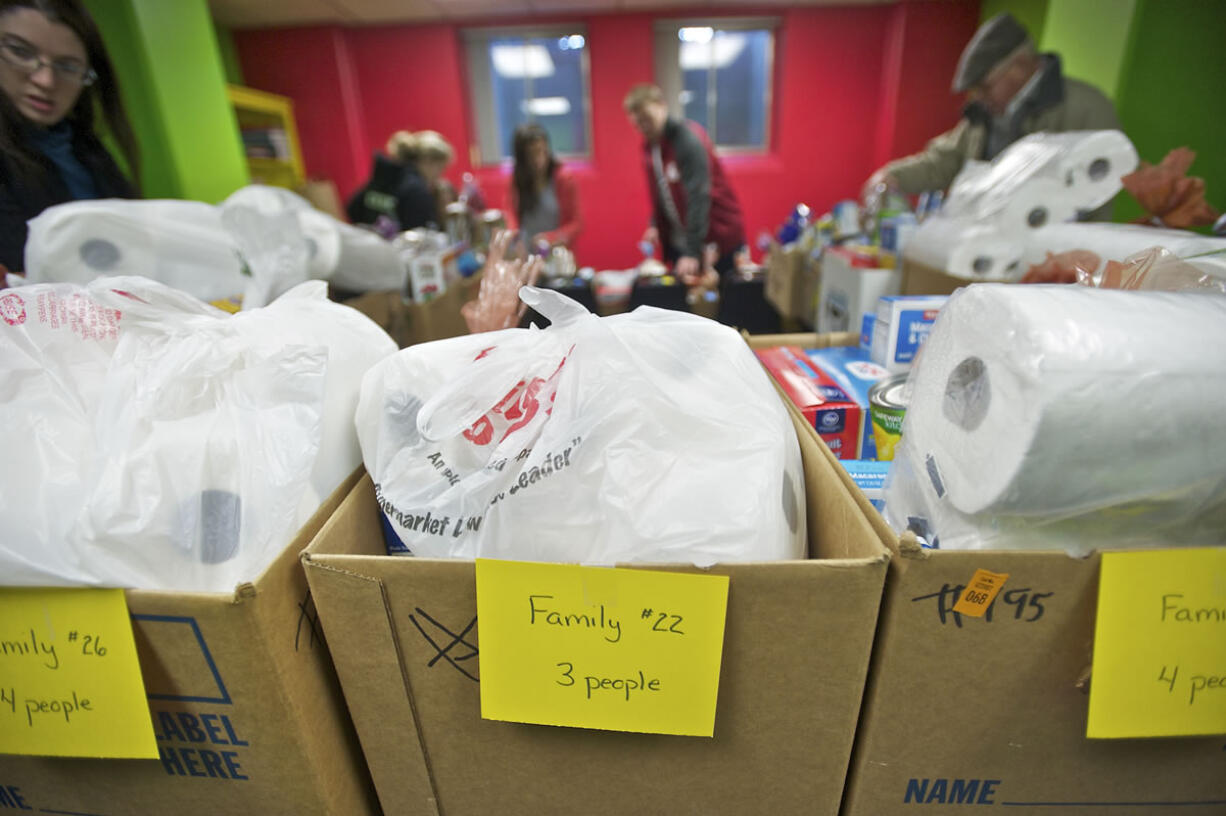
(156, 442)
(205, 445)
(652, 436)
(287, 242)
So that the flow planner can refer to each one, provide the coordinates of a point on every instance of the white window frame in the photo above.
(669, 77)
(487, 151)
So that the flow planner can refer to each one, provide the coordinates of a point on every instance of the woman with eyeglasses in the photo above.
(53, 71)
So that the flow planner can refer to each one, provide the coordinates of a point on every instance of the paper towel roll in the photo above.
(1057, 400)
(1091, 164)
(966, 249)
(350, 258)
(1086, 166)
(323, 242)
(179, 243)
(1036, 204)
(1113, 242)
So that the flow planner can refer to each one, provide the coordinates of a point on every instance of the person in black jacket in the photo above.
(54, 71)
(406, 186)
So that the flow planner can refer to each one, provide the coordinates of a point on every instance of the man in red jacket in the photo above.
(693, 204)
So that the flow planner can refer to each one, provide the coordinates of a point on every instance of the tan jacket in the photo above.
(1080, 107)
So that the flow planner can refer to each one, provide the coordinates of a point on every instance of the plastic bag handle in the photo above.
(556, 306)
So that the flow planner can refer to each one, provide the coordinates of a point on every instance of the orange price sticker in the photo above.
(980, 592)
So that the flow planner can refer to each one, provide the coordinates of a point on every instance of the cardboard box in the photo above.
(920, 279)
(966, 711)
(870, 476)
(992, 713)
(323, 196)
(867, 325)
(245, 704)
(792, 280)
(404, 636)
(902, 326)
(852, 281)
(411, 323)
(822, 401)
(855, 372)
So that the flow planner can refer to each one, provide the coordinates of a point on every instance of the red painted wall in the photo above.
(933, 34)
(312, 67)
(853, 86)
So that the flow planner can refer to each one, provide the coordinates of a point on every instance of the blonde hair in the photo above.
(424, 144)
(641, 95)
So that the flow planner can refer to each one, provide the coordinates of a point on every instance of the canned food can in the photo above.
(887, 406)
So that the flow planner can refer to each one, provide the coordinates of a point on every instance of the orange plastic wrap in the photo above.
(1168, 194)
(1154, 269)
(497, 305)
(1063, 267)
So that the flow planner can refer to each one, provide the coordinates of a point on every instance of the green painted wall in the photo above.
(229, 55)
(1091, 37)
(1030, 13)
(159, 177)
(170, 67)
(1171, 91)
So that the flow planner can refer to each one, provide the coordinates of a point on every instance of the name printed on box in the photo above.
(71, 683)
(1160, 645)
(931, 793)
(618, 649)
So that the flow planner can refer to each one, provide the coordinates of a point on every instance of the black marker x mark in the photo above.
(443, 651)
(307, 614)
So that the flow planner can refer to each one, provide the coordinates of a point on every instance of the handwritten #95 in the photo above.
(595, 647)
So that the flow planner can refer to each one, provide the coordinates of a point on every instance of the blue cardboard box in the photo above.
(869, 476)
(852, 368)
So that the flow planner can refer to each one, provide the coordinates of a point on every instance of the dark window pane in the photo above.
(542, 80)
(557, 98)
(696, 53)
(742, 81)
(694, 96)
(511, 64)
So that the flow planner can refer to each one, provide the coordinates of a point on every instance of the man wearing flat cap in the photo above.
(1012, 91)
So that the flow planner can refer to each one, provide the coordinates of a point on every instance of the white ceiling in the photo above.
(266, 13)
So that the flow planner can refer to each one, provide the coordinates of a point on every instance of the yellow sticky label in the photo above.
(980, 592)
(70, 682)
(593, 647)
(1160, 645)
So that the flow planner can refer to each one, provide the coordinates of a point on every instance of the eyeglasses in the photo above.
(25, 57)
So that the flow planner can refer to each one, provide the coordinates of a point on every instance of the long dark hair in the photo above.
(104, 92)
(524, 177)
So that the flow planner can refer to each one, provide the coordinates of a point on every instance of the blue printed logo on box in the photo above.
(854, 371)
(866, 330)
(914, 326)
(870, 478)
